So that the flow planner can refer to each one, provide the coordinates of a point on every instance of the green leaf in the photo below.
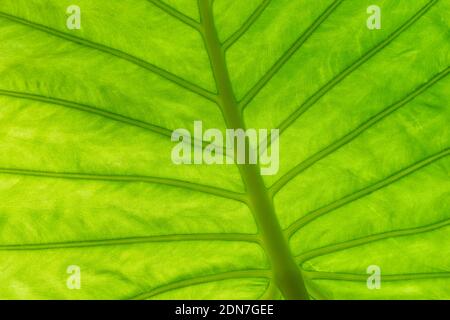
(86, 177)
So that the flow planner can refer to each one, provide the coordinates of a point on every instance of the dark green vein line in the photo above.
(370, 239)
(363, 192)
(266, 292)
(89, 109)
(315, 275)
(286, 273)
(103, 113)
(176, 14)
(287, 55)
(299, 168)
(117, 53)
(131, 241)
(129, 178)
(341, 76)
(244, 274)
(247, 24)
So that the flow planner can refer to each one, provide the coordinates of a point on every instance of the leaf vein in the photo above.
(370, 239)
(131, 241)
(119, 54)
(231, 195)
(247, 24)
(176, 14)
(287, 55)
(316, 275)
(89, 109)
(204, 279)
(299, 168)
(347, 71)
(300, 223)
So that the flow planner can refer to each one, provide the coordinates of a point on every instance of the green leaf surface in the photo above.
(86, 177)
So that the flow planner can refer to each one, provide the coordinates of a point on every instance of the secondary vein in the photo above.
(350, 69)
(300, 223)
(369, 239)
(288, 54)
(247, 24)
(130, 178)
(89, 109)
(315, 275)
(131, 241)
(349, 137)
(176, 14)
(203, 279)
(117, 53)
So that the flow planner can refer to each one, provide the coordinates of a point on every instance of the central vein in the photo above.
(286, 273)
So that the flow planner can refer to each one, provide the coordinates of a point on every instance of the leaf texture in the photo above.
(86, 177)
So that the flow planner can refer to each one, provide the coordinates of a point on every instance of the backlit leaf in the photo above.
(86, 177)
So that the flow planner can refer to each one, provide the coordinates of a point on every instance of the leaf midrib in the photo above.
(286, 273)
(423, 12)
